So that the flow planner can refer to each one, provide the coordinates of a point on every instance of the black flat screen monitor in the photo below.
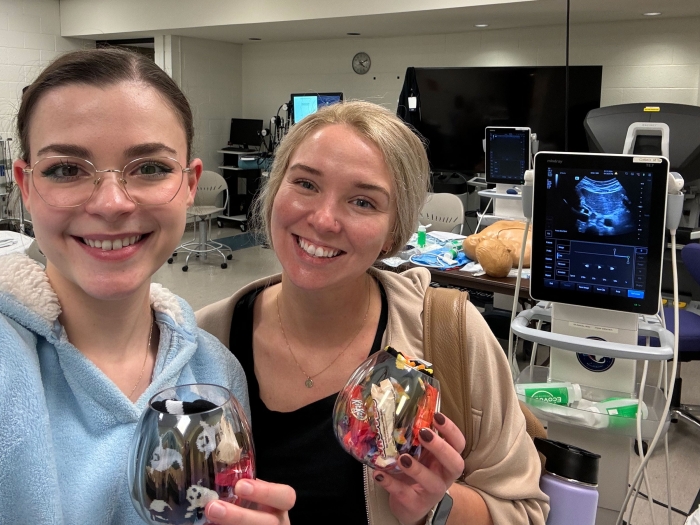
(507, 155)
(598, 230)
(245, 132)
(304, 104)
(455, 105)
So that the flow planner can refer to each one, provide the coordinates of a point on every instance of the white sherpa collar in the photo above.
(26, 280)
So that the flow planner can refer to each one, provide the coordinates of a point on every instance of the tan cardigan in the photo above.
(503, 465)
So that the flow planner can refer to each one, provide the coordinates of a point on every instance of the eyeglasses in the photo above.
(68, 182)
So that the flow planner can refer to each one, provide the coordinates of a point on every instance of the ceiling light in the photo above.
(354, 34)
(481, 25)
(651, 14)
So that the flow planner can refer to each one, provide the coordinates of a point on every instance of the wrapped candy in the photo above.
(386, 402)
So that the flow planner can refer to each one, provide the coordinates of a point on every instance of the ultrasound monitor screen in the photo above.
(598, 229)
(304, 105)
(507, 155)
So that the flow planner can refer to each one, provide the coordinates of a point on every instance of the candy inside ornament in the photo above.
(386, 402)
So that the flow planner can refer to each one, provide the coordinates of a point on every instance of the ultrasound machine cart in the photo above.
(598, 237)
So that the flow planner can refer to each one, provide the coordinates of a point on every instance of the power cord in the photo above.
(664, 505)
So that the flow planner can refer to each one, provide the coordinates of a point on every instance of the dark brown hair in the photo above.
(101, 68)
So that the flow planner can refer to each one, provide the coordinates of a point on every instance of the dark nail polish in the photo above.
(426, 435)
(379, 477)
(439, 418)
(406, 461)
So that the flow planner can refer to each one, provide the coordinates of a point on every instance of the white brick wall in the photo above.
(643, 61)
(210, 76)
(29, 39)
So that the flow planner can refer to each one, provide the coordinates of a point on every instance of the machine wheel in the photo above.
(229, 256)
(170, 261)
(243, 227)
(224, 265)
(645, 447)
(184, 268)
(219, 224)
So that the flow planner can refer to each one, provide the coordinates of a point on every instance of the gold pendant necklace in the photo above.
(309, 383)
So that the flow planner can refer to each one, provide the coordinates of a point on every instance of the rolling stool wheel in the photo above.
(224, 265)
(184, 268)
(229, 256)
(170, 261)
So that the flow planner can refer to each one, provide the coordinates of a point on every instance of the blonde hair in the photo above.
(403, 152)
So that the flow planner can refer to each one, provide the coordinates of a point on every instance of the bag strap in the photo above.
(444, 345)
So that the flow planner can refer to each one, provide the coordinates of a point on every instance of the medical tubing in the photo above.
(669, 392)
(513, 366)
(639, 445)
(482, 215)
(668, 481)
(668, 459)
(659, 316)
(642, 385)
(533, 354)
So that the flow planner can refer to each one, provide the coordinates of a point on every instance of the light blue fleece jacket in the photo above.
(65, 428)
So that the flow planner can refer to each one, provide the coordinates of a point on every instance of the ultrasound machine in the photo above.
(598, 235)
(508, 156)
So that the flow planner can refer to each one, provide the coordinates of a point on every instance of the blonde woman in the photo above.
(345, 189)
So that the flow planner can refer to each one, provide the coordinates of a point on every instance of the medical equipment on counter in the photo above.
(598, 230)
(509, 153)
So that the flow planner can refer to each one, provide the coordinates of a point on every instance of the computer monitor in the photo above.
(245, 132)
(508, 154)
(598, 230)
(304, 104)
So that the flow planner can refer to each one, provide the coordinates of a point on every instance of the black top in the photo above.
(300, 448)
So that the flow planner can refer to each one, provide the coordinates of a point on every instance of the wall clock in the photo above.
(361, 63)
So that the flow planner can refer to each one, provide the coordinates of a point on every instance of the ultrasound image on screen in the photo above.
(590, 205)
(603, 208)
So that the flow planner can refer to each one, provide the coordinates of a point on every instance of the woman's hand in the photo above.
(273, 502)
(422, 484)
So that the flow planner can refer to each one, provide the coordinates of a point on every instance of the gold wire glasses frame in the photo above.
(69, 182)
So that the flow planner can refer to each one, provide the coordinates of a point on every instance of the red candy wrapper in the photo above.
(360, 432)
(230, 476)
(426, 411)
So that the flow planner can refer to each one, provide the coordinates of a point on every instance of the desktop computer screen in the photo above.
(304, 104)
(507, 155)
(245, 132)
(598, 230)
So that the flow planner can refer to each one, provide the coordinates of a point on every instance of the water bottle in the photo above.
(420, 237)
(571, 482)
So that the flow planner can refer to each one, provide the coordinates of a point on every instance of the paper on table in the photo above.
(476, 270)
(447, 236)
(394, 262)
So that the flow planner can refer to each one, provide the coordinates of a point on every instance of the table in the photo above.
(502, 285)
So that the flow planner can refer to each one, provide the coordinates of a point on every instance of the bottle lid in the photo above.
(577, 393)
(421, 228)
(568, 461)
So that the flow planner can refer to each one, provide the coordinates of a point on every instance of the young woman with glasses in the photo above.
(107, 173)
